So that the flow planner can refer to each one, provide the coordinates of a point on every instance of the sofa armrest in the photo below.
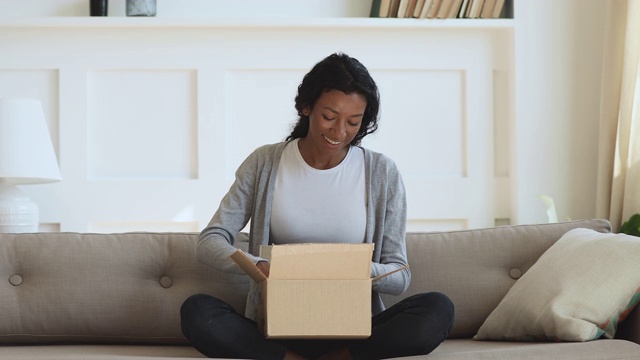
(629, 329)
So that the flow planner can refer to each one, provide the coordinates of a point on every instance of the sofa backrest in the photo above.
(476, 268)
(98, 288)
(128, 288)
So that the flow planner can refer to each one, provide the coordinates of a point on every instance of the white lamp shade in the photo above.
(26, 151)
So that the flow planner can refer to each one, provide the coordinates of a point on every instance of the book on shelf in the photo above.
(487, 9)
(411, 8)
(476, 8)
(418, 9)
(455, 9)
(497, 10)
(463, 8)
(443, 10)
(433, 9)
(440, 9)
(467, 11)
(375, 8)
(425, 9)
(380, 8)
(393, 8)
(403, 6)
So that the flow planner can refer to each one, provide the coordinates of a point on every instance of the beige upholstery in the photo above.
(93, 288)
(476, 268)
(90, 294)
(466, 349)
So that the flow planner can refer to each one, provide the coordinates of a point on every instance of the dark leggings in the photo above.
(413, 326)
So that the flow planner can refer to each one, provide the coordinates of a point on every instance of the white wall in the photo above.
(195, 8)
(559, 46)
(521, 121)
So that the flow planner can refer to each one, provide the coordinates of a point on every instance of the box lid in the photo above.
(319, 261)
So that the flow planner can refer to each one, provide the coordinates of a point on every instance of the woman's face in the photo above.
(334, 121)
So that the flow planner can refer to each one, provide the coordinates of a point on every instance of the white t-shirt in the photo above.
(311, 205)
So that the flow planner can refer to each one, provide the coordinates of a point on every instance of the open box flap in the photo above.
(248, 266)
(339, 261)
(265, 251)
(374, 279)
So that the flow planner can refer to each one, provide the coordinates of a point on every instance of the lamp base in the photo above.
(18, 214)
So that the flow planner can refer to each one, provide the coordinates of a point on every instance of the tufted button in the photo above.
(15, 279)
(166, 282)
(515, 273)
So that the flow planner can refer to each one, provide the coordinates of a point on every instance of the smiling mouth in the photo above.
(332, 142)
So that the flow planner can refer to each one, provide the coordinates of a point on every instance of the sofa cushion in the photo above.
(102, 352)
(577, 291)
(458, 349)
(467, 349)
(476, 268)
(103, 288)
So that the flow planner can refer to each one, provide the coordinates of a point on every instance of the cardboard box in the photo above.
(314, 290)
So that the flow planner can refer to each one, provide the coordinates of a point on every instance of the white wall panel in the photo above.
(502, 126)
(556, 66)
(501, 121)
(437, 125)
(49, 227)
(142, 124)
(154, 121)
(425, 115)
(437, 225)
(260, 109)
(195, 8)
(558, 81)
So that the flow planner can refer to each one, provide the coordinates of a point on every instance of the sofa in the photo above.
(117, 296)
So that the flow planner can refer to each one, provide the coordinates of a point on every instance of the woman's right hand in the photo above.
(264, 266)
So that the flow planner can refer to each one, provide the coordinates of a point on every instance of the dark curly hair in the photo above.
(337, 72)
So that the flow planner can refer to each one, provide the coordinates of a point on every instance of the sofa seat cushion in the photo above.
(453, 349)
(467, 349)
(88, 352)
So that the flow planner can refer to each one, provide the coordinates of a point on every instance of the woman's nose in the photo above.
(340, 129)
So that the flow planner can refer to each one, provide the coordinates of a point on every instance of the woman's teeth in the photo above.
(333, 142)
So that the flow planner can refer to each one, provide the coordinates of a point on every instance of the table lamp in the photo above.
(26, 157)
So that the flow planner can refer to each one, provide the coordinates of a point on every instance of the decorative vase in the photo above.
(98, 7)
(141, 7)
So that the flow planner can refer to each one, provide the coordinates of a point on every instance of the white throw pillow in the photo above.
(578, 290)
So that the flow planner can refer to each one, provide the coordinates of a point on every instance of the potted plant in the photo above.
(632, 226)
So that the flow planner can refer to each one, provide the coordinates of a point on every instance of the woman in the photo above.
(319, 186)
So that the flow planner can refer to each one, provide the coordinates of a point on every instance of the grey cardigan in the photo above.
(250, 197)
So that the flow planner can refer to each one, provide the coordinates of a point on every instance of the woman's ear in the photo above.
(306, 111)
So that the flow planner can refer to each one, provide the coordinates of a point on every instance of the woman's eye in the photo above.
(354, 124)
(327, 117)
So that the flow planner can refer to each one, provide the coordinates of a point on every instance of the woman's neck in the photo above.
(316, 159)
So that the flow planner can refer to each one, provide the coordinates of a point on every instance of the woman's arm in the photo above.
(392, 218)
(216, 240)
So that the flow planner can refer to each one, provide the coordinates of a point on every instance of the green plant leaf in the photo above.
(631, 226)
